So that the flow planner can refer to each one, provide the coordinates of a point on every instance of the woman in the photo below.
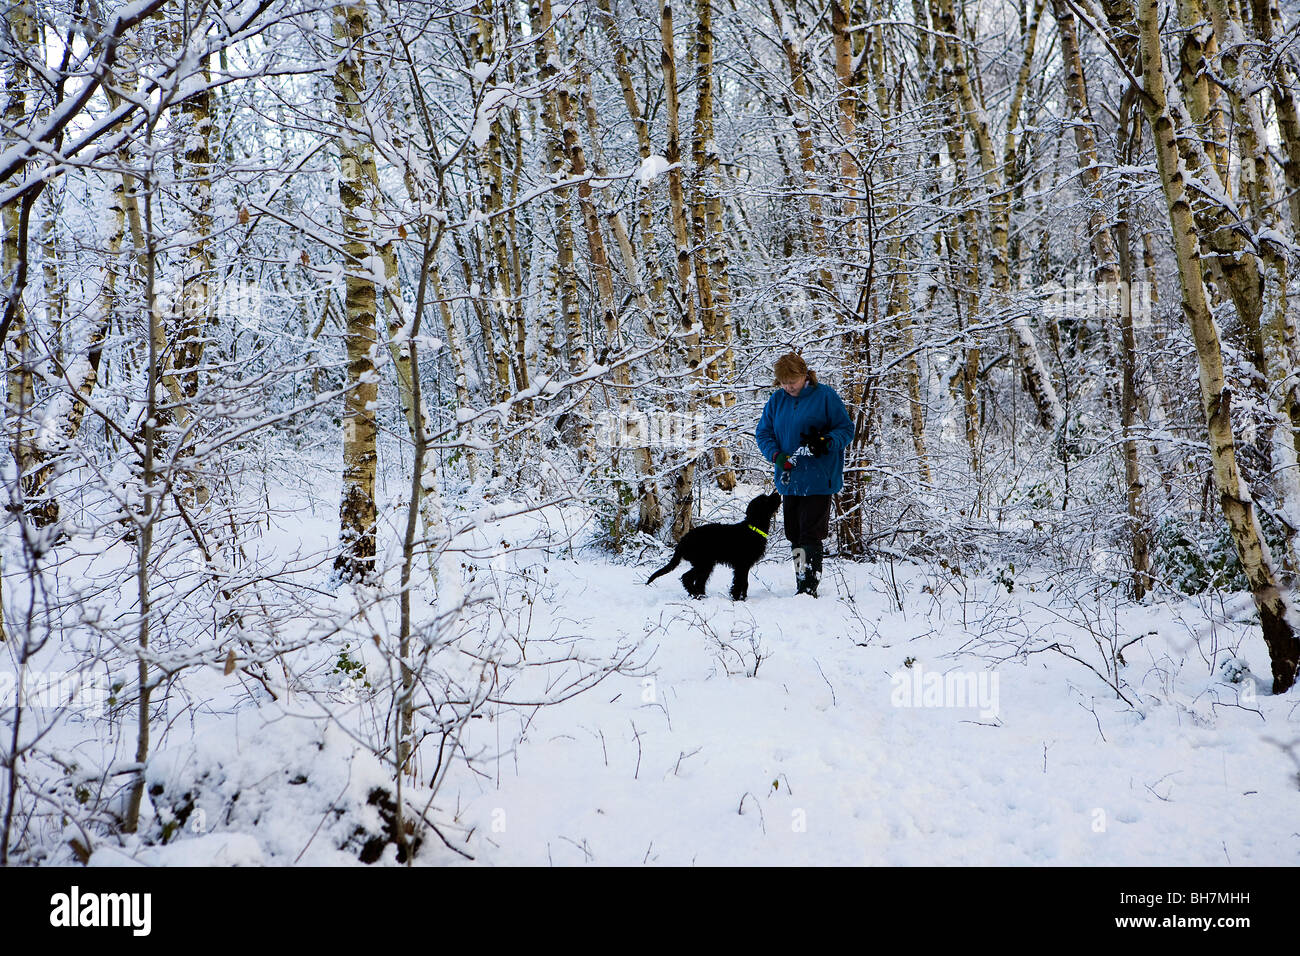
(803, 432)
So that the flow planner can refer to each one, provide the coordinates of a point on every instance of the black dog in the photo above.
(739, 546)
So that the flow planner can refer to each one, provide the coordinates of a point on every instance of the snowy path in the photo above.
(812, 761)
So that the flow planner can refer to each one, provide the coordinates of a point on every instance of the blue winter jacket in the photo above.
(785, 419)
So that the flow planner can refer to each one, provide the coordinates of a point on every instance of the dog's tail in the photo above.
(677, 559)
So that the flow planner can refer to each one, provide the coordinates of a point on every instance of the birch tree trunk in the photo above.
(1198, 51)
(1271, 597)
(1037, 381)
(898, 311)
(861, 387)
(429, 500)
(657, 318)
(1283, 84)
(21, 359)
(197, 319)
(55, 291)
(579, 360)
(628, 419)
(498, 292)
(81, 372)
(413, 107)
(964, 253)
(455, 345)
(683, 479)
(150, 505)
(1277, 334)
(1139, 535)
(650, 517)
(792, 45)
(1085, 143)
(1112, 268)
(1230, 263)
(710, 279)
(357, 513)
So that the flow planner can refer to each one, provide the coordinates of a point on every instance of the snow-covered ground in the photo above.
(912, 714)
(832, 751)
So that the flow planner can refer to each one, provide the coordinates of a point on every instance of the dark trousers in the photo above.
(807, 519)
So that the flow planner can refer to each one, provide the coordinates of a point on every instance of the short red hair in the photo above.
(791, 368)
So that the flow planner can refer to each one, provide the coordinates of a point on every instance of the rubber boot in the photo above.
(814, 557)
(807, 568)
